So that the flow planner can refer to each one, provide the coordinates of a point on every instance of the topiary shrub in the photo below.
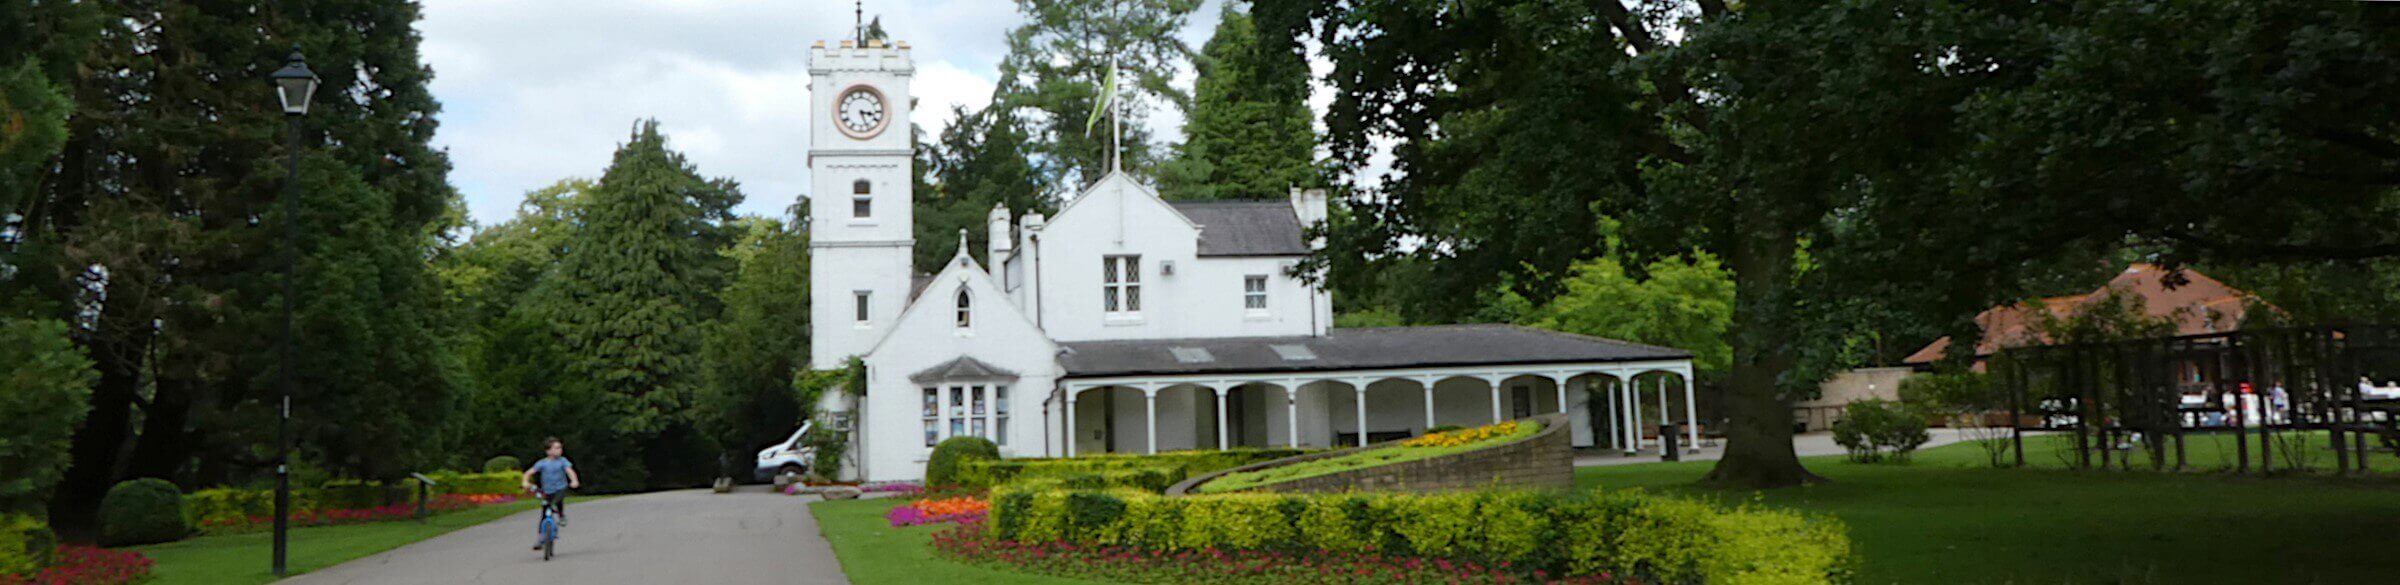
(142, 511)
(941, 470)
(502, 463)
(1875, 430)
(25, 544)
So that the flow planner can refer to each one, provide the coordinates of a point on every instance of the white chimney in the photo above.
(1309, 206)
(1000, 242)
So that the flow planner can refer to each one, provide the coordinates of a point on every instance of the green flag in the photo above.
(1108, 94)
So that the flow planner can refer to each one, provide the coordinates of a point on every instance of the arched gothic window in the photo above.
(965, 309)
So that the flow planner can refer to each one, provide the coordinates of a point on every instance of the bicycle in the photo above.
(549, 525)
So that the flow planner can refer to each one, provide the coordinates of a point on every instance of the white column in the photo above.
(1633, 397)
(1220, 417)
(1665, 411)
(1071, 421)
(1291, 411)
(1559, 381)
(1428, 382)
(1493, 380)
(1150, 413)
(1691, 414)
(1616, 422)
(1361, 403)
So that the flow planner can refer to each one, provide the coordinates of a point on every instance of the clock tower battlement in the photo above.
(860, 152)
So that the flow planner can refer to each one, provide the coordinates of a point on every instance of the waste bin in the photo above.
(1667, 434)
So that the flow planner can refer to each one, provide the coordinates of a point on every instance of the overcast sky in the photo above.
(534, 91)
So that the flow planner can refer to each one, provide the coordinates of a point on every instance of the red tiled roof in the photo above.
(2198, 305)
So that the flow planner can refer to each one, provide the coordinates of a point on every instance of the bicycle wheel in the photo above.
(549, 536)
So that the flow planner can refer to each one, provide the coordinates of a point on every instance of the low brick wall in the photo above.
(1544, 461)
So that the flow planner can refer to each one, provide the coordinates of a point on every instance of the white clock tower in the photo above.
(859, 152)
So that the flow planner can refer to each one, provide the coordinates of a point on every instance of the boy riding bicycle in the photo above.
(557, 475)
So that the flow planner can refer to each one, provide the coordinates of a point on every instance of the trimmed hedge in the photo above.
(142, 511)
(217, 506)
(1181, 464)
(941, 469)
(1627, 534)
(25, 544)
(502, 463)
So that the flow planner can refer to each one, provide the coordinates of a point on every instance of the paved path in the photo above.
(1807, 444)
(670, 537)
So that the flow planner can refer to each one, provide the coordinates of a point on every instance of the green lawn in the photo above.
(1948, 519)
(873, 552)
(2206, 451)
(1362, 459)
(245, 558)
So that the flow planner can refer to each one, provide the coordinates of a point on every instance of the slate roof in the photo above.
(1352, 349)
(962, 368)
(1245, 228)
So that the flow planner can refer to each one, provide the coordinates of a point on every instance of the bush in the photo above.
(1879, 430)
(25, 544)
(142, 511)
(1652, 538)
(44, 385)
(499, 483)
(941, 470)
(503, 463)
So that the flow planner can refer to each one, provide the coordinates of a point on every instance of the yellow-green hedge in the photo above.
(1657, 539)
(215, 506)
(988, 474)
(25, 544)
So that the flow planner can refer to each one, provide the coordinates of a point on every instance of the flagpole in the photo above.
(1116, 123)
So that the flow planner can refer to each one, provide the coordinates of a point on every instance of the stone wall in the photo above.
(1544, 461)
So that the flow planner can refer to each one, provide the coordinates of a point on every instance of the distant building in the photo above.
(2196, 303)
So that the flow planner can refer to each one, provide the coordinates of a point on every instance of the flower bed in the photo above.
(957, 510)
(85, 565)
(1424, 447)
(969, 543)
(440, 504)
(1179, 464)
(1626, 534)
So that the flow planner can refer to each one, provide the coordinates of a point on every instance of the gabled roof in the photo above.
(1352, 349)
(1245, 228)
(2196, 303)
(962, 368)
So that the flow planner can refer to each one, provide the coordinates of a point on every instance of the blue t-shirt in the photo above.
(552, 473)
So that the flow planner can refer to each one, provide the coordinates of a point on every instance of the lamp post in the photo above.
(293, 85)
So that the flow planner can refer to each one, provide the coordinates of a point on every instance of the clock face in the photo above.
(860, 112)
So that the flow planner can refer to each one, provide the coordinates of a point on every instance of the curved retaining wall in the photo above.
(1545, 460)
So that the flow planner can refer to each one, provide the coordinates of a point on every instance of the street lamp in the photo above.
(294, 83)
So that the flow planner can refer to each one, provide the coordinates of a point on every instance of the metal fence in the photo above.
(2284, 396)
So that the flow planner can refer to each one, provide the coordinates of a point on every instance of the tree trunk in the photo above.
(75, 507)
(164, 446)
(1758, 448)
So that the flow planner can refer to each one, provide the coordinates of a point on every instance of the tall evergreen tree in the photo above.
(630, 294)
(982, 161)
(758, 345)
(162, 207)
(1248, 136)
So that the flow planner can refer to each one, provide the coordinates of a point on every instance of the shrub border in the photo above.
(1551, 423)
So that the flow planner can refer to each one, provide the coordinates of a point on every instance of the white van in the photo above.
(788, 456)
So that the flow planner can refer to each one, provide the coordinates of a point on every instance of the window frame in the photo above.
(862, 199)
(863, 306)
(1121, 285)
(1254, 301)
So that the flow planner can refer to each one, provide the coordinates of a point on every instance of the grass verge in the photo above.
(244, 558)
(874, 553)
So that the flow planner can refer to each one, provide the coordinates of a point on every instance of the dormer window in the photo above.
(862, 199)
(966, 309)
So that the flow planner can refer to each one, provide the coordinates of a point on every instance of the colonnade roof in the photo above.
(1343, 349)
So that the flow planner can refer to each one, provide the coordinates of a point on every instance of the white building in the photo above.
(1132, 324)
